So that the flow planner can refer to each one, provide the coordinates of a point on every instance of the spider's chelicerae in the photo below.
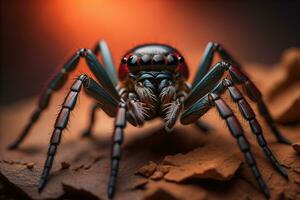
(152, 83)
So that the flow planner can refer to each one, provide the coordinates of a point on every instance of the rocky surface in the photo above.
(185, 164)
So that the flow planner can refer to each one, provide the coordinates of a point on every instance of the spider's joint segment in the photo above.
(252, 91)
(213, 96)
(223, 109)
(237, 75)
(235, 93)
(121, 116)
(226, 65)
(216, 46)
(245, 109)
(82, 52)
(226, 82)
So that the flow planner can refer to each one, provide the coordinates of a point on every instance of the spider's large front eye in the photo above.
(145, 60)
(171, 60)
(158, 60)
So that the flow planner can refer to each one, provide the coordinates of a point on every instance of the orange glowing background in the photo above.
(38, 36)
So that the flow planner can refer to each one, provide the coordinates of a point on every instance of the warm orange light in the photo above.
(123, 24)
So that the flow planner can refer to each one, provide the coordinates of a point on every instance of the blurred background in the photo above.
(37, 37)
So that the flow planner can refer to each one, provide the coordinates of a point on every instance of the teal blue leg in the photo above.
(209, 77)
(60, 79)
(102, 48)
(207, 58)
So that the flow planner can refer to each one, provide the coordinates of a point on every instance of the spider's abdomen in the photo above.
(153, 57)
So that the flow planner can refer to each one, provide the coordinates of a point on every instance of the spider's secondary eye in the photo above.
(180, 59)
(133, 60)
(124, 60)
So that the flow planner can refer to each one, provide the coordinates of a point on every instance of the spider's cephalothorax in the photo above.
(153, 77)
(152, 83)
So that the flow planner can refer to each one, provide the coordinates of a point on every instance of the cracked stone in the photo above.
(148, 169)
(296, 147)
(65, 165)
(208, 162)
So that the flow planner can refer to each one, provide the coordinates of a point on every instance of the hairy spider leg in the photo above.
(117, 138)
(203, 106)
(93, 89)
(200, 107)
(215, 73)
(59, 80)
(238, 133)
(249, 115)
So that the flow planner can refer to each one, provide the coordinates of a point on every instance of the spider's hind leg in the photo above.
(238, 133)
(117, 140)
(203, 106)
(242, 78)
(239, 77)
(55, 84)
(249, 115)
(59, 80)
(93, 89)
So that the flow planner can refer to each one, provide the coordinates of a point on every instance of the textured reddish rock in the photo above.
(296, 147)
(147, 170)
(208, 162)
(285, 91)
(165, 190)
(30, 165)
(65, 165)
(157, 175)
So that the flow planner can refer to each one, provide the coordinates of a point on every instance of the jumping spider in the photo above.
(152, 83)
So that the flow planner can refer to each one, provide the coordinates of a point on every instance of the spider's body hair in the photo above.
(154, 94)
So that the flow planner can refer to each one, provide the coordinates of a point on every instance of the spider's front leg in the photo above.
(195, 108)
(241, 78)
(93, 89)
(105, 76)
(203, 106)
(117, 140)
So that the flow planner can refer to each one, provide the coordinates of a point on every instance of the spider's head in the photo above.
(152, 57)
